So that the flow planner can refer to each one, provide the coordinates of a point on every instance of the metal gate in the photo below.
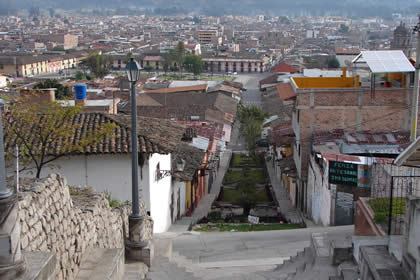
(344, 209)
(390, 187)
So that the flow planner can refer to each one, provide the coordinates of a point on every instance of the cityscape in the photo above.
(243, 140)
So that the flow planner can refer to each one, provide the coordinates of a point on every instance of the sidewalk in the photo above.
(205, 203)
(289, 212)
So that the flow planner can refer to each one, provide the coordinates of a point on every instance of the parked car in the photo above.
(263, 143)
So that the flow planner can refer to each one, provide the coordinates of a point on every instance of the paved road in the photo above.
(251, 96)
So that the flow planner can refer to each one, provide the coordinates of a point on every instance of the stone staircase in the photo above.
(163, 269)
(313, 262)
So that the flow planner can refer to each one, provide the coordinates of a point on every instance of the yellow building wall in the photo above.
(288, 151)
(325, 82)
(188, 196)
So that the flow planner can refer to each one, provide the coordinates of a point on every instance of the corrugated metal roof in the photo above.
(390, 137)
(370, 149)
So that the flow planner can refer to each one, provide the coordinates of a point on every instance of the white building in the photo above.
(106, 166)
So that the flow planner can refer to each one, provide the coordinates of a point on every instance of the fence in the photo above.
(390, 185)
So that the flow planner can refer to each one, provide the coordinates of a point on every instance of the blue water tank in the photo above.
(80, 90)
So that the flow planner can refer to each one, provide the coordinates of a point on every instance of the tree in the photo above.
(343, 28)
(128, 56)
(333, 62)
(98, 64)
(45, 132)
(251, 118)
(179, 55)
(79, 75)
(62, 92)
(58, 48)
(194, 64)
(166, 62)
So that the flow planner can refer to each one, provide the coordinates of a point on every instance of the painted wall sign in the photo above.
(343, 173)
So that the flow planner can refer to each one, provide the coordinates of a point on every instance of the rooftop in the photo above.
(201, 87)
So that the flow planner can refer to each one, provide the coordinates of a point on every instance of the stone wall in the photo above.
(68, 221)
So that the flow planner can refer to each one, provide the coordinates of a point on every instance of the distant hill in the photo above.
(354, 8)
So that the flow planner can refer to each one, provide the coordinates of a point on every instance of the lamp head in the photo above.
(133, 70)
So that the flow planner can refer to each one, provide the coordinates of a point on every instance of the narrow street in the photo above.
(181, 254)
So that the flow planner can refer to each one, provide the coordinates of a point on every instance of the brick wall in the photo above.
(352, 110)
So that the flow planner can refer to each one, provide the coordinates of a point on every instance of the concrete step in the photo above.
(350, 274)
(100, 263)
(135, 270)
(163, 269)
(297, 262)
(39, 266)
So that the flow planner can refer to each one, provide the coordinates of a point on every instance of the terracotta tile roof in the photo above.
(202, 87)
(348, 52)
(146, 100)
(282, 133)
(210, 130)
(269, 80)
(285, 91)
(193, 157)
(284, 68)
(183, 105)
(166, 133)
(237, 85)
(118, 143)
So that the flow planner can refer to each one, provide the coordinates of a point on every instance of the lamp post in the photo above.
(133, 75)
(134, 244)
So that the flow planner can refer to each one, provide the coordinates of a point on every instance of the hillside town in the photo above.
(189, 146)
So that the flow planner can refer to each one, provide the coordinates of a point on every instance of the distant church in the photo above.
(401, 40)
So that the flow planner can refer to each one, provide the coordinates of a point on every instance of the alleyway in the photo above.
(181, 254)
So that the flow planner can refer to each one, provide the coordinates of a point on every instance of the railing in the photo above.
(389, 190)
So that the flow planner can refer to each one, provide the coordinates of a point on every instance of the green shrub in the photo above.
(113, 203)
(381, 208)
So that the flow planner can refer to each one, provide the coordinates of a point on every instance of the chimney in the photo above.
(39, 95)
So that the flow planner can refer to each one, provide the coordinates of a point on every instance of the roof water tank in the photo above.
(80, 91)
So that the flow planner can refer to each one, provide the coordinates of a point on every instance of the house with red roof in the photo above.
(283, 67)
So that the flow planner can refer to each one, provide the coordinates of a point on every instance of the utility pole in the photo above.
(415, 107)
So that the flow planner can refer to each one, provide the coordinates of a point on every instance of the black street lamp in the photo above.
(133, 75)
(134, 244)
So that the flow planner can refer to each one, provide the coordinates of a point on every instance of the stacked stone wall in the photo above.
(68, 221)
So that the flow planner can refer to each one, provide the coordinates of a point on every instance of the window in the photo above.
(157, 171)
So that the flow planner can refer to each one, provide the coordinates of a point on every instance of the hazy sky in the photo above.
(273, 7)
